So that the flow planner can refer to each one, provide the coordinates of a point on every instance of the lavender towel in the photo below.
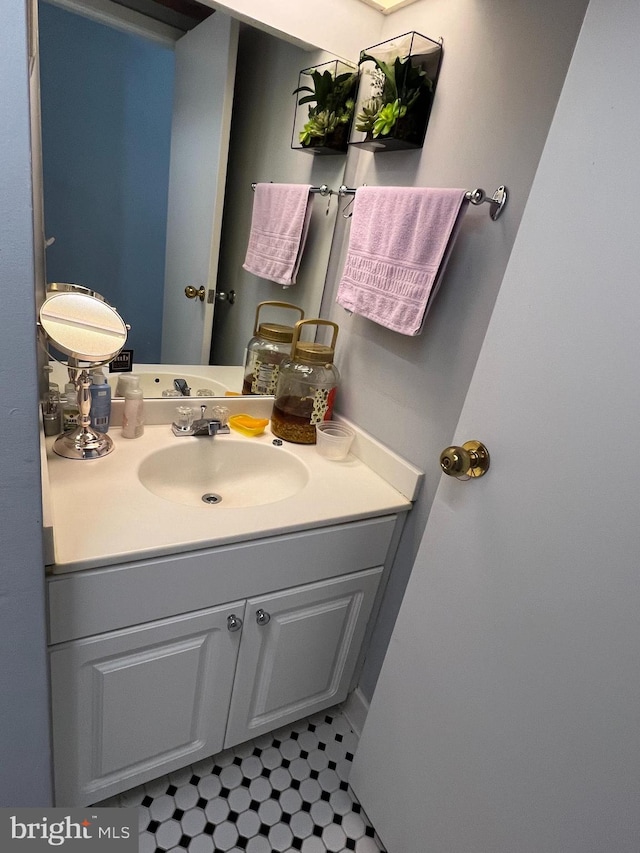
(279, 226)
(400, 242)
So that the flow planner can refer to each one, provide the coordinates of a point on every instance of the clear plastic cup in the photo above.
(334, 439)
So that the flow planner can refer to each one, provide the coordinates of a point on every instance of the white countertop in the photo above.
(102, 514)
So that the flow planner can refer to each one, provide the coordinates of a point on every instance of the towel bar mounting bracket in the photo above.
(497, 200)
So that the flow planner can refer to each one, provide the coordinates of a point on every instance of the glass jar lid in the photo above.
(275, 332)
(310, 353)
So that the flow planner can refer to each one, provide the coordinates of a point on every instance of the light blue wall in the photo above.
(25, 778)
(488, 127)
(106, 129)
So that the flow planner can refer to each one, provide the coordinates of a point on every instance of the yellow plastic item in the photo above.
(248, 425)
(232, 394)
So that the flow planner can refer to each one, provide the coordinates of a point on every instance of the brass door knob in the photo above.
(470, 460)
(192, 292)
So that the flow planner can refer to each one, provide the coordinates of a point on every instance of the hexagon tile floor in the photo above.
(284, 791)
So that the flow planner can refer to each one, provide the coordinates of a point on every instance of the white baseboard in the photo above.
(355, 708)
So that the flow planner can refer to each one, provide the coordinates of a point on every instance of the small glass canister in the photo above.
(266, 351)
(307, 387)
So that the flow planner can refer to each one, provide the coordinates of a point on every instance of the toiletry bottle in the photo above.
(49, 384)
(126, 380)
(51, 406)
(52, 412)
(70, 411)
(100, 391)
(133, 416)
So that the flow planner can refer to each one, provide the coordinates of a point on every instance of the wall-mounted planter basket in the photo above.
(325, 108)
(397, 85)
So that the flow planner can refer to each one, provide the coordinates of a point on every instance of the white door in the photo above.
(298, 652)
(507, 715)
(203, 95)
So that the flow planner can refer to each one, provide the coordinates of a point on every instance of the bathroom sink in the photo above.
(222, 471)
(153, 384)
(150, 491)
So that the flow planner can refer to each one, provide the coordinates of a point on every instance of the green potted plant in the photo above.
(325, 124)
(393, 110)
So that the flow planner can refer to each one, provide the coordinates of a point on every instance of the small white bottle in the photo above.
(133, 416)
(126, 380)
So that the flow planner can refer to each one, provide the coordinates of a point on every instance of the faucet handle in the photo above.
(183, 424)
(184, 417)
(221, 413)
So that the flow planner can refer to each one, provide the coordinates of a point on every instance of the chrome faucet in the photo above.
(202, 426)
(181, 386)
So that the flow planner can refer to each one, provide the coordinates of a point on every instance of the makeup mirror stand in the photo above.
(84, 442)
(83, 326)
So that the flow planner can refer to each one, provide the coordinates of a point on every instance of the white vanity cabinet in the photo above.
(158, 663)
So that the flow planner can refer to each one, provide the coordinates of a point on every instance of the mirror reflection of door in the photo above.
(203, 97)
(80, 194)
(135, 134)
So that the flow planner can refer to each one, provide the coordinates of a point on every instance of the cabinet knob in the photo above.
(234, 623)
(262, 617)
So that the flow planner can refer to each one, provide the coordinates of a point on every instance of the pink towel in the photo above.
(279, 226)
(400, 242)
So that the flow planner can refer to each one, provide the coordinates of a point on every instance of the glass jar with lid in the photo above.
(306, 388)
(269, 346)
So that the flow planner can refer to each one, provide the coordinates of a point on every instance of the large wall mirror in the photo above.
(150, 145)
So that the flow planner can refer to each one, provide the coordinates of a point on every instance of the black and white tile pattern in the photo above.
(285, 791)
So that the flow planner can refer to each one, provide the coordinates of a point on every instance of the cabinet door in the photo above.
(298, 652)
(131, 705)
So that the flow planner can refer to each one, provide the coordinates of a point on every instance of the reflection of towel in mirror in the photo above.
(279, 226)
(400, 242)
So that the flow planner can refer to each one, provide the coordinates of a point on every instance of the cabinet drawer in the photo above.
(84, 603)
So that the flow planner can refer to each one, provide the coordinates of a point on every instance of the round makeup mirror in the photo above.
(80, 324)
